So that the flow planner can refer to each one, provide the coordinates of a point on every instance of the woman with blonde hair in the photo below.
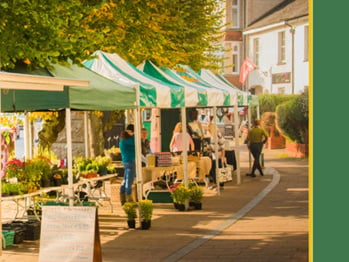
(176, 144)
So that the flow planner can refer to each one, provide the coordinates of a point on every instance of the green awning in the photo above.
(102, 94)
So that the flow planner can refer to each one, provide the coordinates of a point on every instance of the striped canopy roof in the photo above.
(161, 88)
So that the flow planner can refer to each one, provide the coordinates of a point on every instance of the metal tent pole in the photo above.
(237, 149)
(69, 156)
(87, 153)
(215, 137)
(137, 125)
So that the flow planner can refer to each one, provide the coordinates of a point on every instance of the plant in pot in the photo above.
(113, 153)
(179, 196)
(5, 190)
(146, 212)
(130, 209)
(22, 188)
(102, 163)
(32, 175)
(43, 165)
(14, 169)
(196, 193)
(13, 189)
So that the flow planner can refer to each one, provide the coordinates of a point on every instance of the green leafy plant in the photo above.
(196, 193)
(13, 189)
(130, 209)
(102, 163)
(5, 190)
(180, 194)
(146, 209)
(293, 117)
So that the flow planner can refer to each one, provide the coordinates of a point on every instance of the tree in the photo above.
(164, 31)
(167, 32)
(40, 32)
(293, 118)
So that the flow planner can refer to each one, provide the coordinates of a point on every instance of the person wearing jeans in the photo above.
(127, 149)
(256, 138)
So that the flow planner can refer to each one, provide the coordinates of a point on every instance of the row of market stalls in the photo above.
(115, 84)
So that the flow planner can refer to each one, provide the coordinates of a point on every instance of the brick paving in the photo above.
(276, 229)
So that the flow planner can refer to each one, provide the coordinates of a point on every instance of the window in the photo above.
(281, 48)
(256, 51)
(235, 13)
(306, 43)
(236, 58)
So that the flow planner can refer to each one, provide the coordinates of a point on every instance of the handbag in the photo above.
(225, 174)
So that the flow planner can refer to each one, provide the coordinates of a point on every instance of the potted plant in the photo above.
(113, 153)
(130, 210)
(13, 189)
(146, 212)
(179, 196)
(14, 169)
(43, 165)
(22, 188)
(196, 193)
(102, 163)
(5, 190)
(32, 175)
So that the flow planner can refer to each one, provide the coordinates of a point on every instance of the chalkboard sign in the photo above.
(69, 234)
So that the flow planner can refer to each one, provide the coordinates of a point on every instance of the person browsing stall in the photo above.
(128, 154)
(176, 144)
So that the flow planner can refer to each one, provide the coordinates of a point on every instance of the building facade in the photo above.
(278, 45)
(274, 35)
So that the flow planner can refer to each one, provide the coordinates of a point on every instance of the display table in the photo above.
(153, 173)
(87, 185)
(203, 166)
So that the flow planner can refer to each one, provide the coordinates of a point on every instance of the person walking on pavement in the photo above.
(256, 138)
(128, 154)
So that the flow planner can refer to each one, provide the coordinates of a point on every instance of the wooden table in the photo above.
(27, 201)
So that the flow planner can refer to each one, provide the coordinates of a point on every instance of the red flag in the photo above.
(246, 68)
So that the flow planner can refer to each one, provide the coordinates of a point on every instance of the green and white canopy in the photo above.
(244, 98)
(153, 92)
(201, 95)
(157, 89)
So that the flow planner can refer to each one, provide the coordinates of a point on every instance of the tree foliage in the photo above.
(164, 31)
(293, 117)
(269, 102)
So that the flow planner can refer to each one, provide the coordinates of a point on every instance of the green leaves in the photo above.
(164, 31)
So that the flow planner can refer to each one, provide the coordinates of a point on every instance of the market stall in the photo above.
(102, 94)
(115, 68)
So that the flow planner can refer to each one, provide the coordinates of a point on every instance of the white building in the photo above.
(278, 44)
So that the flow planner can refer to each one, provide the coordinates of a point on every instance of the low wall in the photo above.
(297, 150)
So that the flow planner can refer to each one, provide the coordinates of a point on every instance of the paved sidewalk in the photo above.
(275, 229)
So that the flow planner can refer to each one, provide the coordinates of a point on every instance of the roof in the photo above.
(285, 11)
